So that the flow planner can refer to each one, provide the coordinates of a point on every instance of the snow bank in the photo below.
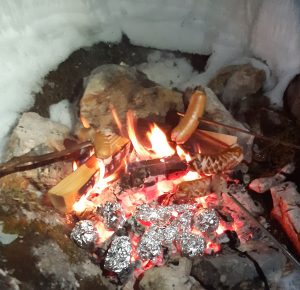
(35, 36)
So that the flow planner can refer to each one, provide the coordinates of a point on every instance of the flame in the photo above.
(103, 233)
(74, 165)
(159, 142)
(182, 154)
(140, 150)
(117, 119)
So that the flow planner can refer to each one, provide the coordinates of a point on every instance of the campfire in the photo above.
(152, 190)
(141, 198)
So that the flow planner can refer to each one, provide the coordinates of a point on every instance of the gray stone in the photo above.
(125, 89)
(34, 131)
(170, 277)
(35, 135)
(235, 82)
(230, 268)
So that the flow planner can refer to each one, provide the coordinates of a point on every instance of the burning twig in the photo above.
(26, 162)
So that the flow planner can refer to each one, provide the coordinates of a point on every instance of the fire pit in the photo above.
(141, 198)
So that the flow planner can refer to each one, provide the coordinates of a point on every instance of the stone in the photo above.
(235, 82)
(232, 268)
(35, 135)
(286, 209)
(291, 98)
(8, 282)
(34, 131)
(124, 88)
(170, 277)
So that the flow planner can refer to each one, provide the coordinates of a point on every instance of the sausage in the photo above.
(188, 124)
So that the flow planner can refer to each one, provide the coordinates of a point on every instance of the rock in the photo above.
(33, 131)
(286, 202)
(263, 184)
(126, 89)
(231, 269)
(291, 98)
(35, 135)
(8, 282)
(170, 277)
(233, 83)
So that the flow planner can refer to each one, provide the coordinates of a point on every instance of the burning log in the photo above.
(66, 192)
(217, 163)
(138, 171)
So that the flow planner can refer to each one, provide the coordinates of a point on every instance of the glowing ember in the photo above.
(159, 142)
(143, 220)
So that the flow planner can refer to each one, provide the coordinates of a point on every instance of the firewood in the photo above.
(108, 145)
(67, 191)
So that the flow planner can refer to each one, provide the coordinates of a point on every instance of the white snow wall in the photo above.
(36, 35)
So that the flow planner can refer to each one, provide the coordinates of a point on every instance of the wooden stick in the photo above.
(211, 122)
(26, 162)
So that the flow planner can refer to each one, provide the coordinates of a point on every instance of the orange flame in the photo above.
(74, 165)
(117, 119)
(159, 142)
(140, 150)
(182, 154)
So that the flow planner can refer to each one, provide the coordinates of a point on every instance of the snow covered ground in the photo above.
(35, 36)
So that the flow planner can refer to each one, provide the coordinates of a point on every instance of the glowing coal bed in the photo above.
(129, 230)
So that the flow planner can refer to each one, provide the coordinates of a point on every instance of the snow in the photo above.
(35, 36)
(63, 113)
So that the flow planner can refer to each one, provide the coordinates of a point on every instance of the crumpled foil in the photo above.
(112, 214)
(149, 246)
(158, 214)
(206, 220)
(84, 234)
(118, 255)
(191, 245)
(161, 215)
(169, 234)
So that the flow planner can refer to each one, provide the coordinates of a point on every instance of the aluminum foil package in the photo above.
(169, 234)
(191, 245)
(112, 214)
(118, 256)
(158, 214)
(84, 234)
(206, 220)
(150, 244)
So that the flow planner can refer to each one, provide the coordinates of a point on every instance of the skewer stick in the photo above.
(26, 162)
(211, 122)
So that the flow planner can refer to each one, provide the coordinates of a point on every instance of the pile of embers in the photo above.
(142, 207)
